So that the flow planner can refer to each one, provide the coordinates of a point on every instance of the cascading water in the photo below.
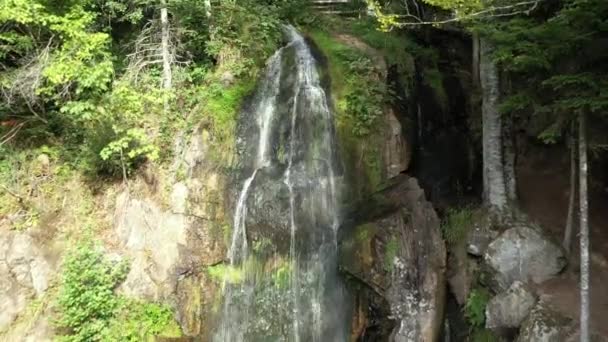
(282, 283)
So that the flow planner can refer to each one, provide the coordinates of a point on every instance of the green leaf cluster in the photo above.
(87, 302)
(90, 310)
(556, 56)
(475, 306)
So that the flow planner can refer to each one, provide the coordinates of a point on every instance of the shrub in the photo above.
(89, 310)
(87, 302)
(475, 307)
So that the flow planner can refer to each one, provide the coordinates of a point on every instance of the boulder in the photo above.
(544, 325)
(509, 308)
(522, 253)
(396, 249)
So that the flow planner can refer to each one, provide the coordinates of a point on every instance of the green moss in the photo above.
(218, 106)
(142, 321)
(456, 225)
(358, 114)
(390, 253)
(225, 273)
(281, 276)
(365, 232)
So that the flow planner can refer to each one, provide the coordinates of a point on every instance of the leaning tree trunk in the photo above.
(165, 46)
(584, 229)
(495, 192)
(567, 243)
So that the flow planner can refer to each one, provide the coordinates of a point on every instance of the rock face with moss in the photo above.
(544, 325)
(394, 248)
(170, 246)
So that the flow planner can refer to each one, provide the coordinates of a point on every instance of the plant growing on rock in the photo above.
(90, 310)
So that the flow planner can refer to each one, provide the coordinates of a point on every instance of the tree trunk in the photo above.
(567, 243)
(475, 66)
(510, 154)
(584, 229)
(207, 4)
(165, 46)
(495, 193)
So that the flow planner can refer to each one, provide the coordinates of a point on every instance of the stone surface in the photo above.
(461, 274)
(509, 308)
(522, 253)
(479, 239)
(25, 273)
(397, 154)
(170, 246)
(396, 249)
(544, 325)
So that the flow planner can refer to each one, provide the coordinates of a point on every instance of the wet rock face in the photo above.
(522, 254)
(399, 254)
(26, 271)
(508, 309)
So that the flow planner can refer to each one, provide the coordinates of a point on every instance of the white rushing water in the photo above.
(310, 307)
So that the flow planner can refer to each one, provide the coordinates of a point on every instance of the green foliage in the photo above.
(140, 321)
(475, 307)
(87, 302)
(244, 34)
(222, 273)
(363, 106)
(89, 310)
(129, 149)
(552, 53)
(456, 225)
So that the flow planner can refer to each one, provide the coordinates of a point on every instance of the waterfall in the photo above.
(290, 197)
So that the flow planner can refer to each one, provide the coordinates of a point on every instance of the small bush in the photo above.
(475, 307)
(87, 302)
(89, 310)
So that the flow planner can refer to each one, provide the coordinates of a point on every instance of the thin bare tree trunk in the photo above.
(510, 155)
(495, 192)
(567, 243)
(207, 4)
(475, 66)
(584, 229)
(165, 42)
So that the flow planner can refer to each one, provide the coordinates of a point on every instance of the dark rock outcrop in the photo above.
(393, 246)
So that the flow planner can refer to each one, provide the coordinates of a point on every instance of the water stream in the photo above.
(281, 283)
